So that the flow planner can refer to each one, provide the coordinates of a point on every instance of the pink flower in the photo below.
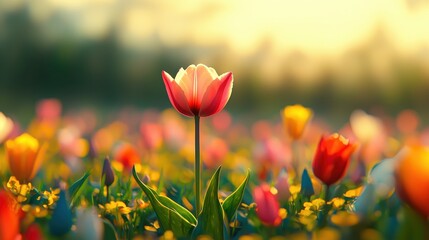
(198, 90)
(267, 205)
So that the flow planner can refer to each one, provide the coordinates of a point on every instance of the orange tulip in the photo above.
(9, 219)
(198, 90)
(332, 158)
(295, 120)
(412, 178)
(25, 156)
(127, 155)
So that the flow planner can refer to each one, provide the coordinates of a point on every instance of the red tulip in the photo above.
(9, 219)
(412, 178)
(332, 158)
(267, 205)
(198, 90)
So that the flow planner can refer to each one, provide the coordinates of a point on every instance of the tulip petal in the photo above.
(176, 95)
(203, 78)
(217, 95)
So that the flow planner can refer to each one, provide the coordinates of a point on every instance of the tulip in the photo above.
(332, 158)
(25, 156)
(9, 219)
(198, 90)
(412, 178)
(295, 120)
(267, 205)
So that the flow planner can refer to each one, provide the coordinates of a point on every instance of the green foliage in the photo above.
(76, 188)
(232, 202)
(171, 215)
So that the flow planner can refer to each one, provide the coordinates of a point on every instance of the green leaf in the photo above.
(232, 202)
(76, 188)
(211, 220)
(171, 215)
(109, 231)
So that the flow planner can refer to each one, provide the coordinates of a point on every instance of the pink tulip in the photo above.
(198, 90)
(267, 205)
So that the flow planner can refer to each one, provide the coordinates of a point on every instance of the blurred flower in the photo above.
(267, 205)
(61, 220)
(88, 225)
(282, 186)
(71, 143)
(412, 178)
(107, 172)
(21, 191)
(151, 134)
(345, 219)
(198, 90)
(295, 120)
(215, 153)
(25, 156)
(33, 232)
(9, 219)
(127, 155)
(332, 158)
(353, 192)
(6, 127)
(365, 126)
(48, 110)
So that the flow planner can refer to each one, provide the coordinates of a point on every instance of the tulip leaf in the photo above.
(307, 189)
(211, 219)
(76, 188)
(109, 231)
(171, 215)
(232, 202)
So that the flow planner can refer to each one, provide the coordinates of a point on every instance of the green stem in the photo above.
(198, 167)
(107, 194)
(327, 193)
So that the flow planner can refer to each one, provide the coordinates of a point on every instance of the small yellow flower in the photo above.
(52, 195)
(306, 212)
(21, 191)
(117, 209)
(282, 213)
(318, 203)
(353, 192)
(34, 210)
(294, 190)
(295, 120)
(307, 205)
(337, 202)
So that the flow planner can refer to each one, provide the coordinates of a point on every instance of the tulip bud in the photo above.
(332, 158)
(267, 205)
(282, 186)
(25, 156)
(108, 174)
(295, 119)
(61, 220)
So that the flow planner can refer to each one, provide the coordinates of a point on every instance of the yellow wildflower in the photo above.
(117, 209)
(21, 191)
(353, 192)
(318, 203)
(52, 195)
(34, 210)
(337, 202)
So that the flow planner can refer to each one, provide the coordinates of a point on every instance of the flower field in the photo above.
(195, 171)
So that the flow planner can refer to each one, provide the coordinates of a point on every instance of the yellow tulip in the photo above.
(25, 157)
(295, 119)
